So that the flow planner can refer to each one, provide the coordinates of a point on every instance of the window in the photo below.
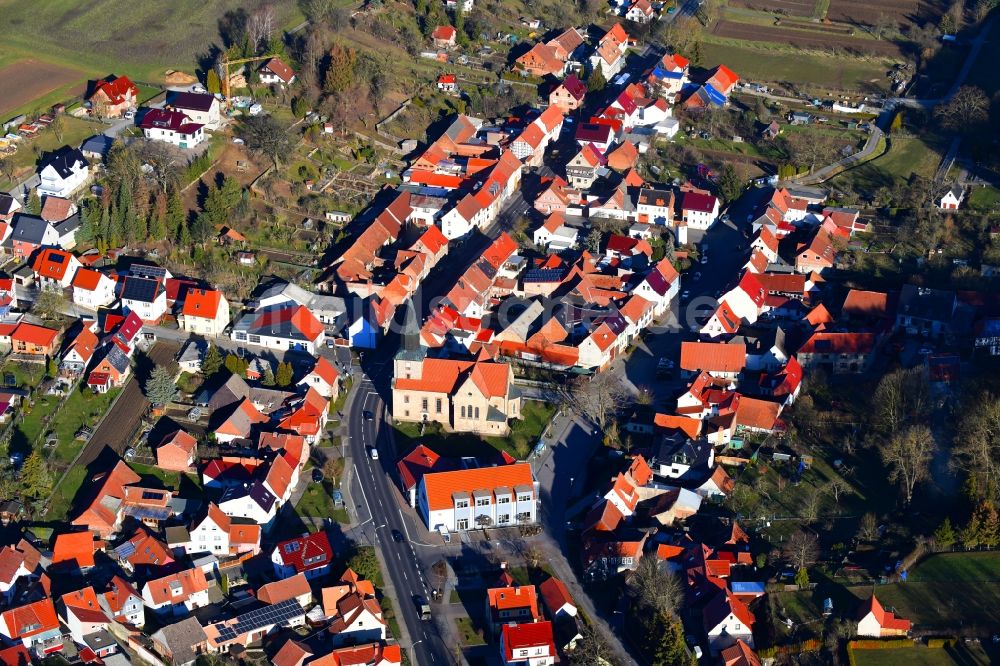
(462, 524)
(483, 501)
(524, 498)
(438, 405)
(524, 517)
(462, 504)
(503, 500)
(241, 336)
(255, 339)
(463, 411)
(477, 413)
(423, 404)
(503, 519)
(406, 399)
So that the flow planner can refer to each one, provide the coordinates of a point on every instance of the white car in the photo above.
(704, 258)
(374, 453)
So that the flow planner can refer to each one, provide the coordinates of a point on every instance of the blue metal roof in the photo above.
(747, 587)
(715, 96)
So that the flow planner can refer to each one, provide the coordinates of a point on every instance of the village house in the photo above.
(34, 625)
(311, 555)
(200, 108)
(176, 594)
(354, 610)
(567, 96)
(512, 604)
(30, 233)
(180, 643)
(699, 211)
(876, 622)
(82, 614)
(92, 289)
(582, 170)
(177, 452)
(727, 620)
(276, 72)
(62, 173)
(173, 127)
(527, 644)
(54, 269)
(465, 499)
(205, 312)
(219, 534)
(34, 343)
(952, 198)
(144, 296)
(323, 378)
(837, 352)
(286, 326)
(113, 96)
(122, 602)
(924, 311)
(444, 37)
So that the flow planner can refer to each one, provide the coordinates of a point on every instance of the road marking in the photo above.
(363, 494)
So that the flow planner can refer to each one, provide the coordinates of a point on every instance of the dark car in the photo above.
(317, 475)
(397, 535)
(368, 415)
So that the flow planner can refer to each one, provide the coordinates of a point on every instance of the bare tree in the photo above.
(591, 648)
(656, 588)
(908, 455)
(977, 445)
(801, 549)
(810, 150)
(883, 26)
(901, 398)
(164, 160)
(966, 111)
(600, 396)
(260, 26)
(837, 487)
(868, 527)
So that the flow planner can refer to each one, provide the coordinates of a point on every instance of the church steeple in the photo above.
(409, 358)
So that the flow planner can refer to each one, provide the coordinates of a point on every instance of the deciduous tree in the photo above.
(908, 455)
(977, 444)
(801, 549)
(656, 588)
(265, 136)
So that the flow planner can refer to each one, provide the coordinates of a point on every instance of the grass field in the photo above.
(906, 156)
(81, 408)
(984, 198)
(103, 36)
(75, 130)
(961, 655)
(759, 64)
(316, 502)
(946, 591)
(62, 496)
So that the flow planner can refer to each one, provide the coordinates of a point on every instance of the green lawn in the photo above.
(963, 567)
(26, 375)
(467, 632)
(187, 485)
(81, 408)
(842, 73)
(524, 434)
(984, 198)
(62, 496)
(906, 156)
(316, 502)
(918, 655)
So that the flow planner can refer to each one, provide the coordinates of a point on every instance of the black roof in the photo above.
(65, 161)
(8, 204)
(71, 223)
(140, 289)
(99, 143)
(194, 101)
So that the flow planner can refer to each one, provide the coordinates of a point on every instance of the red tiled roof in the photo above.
(712, 357)
(823, 342)
(84, 605)
(74, 548)
(441, 487)
(702, 203)
(555, 594)
(52, 263)
(530, 635)
(116, 88)
(191, 581)
(885, 619)
(31, 619)
(277, 67)
(312, 551)
(445, 32)
(203, 303)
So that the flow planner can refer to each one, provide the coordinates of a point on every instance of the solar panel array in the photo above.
(543, 275)
(127, 549)
(140, 289)
(259, 618)
(146, 270)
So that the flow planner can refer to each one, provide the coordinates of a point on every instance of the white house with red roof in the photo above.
(528, 644)
(35, 625)
(447, 83)
(276, 72)
(699, 210)
(660, 286)
(324, 378)
(557, 598)
(876, 622)
(727, 620)
(113, 96)
(311, 555)
(465, 499)
(55, 268)
(173, 127)
(121, 601)
(205, 312)
(92, 289)
(221, 535)
(177, 593)
(82, 614)
(641, 11)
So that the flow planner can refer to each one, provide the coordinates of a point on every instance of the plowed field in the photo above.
(26, 80)
(789, 7)
(803, 39)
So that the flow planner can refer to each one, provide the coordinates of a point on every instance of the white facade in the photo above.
(245, 506)
(176, 137)
(54, 185)
(208, 537)
(697, 219)
(727, 632)
(207, 326)
(99, 297)
(506, 508)
(211, 119)
(148, 310)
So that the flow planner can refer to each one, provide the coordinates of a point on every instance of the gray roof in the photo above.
(99, 144)
(181, 638)
(232, 391)
(8, 204)
(29, 229)
(177, 534)
(69, 225)
(679, 449)
(926, 303)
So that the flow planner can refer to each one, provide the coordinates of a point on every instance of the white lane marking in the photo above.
(364, 495)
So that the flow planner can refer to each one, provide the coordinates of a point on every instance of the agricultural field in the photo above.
(103, 36)
(786, 7)
(24, 81)
(757, 63)
(866, 12)
(817, 37)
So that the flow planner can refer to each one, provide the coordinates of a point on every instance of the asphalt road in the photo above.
(378, 497)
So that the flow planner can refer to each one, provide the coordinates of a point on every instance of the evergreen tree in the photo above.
(160, 387)
(284, 375)
(158, 218)
(730, 185)
(34, 205)
(201, 229)
(802, 578)
(596, 80)
(212, 82)
(236, 365)
(969, 536)
(671, 648)
(340, 69)
(944, 535)
(212, 362)
(175, 217)
(36, 481)
(268, 376)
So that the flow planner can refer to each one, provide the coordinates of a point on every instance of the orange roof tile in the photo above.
(74, 549)
(285, 589)
(202, 303)
(83, 603)
(712, 357)
(507, 598)
(441, 487)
